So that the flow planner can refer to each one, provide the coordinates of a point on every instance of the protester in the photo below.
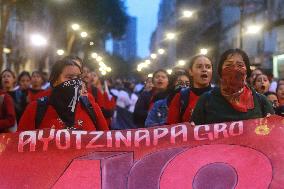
(148, 84)
(272, 98)
(126, 100)
(7, 113)
(234, 100)
(261, 83)
(159, 113)
(65, 108)
(181, 107)
(253, 74)
(21, 94)
(148, 98)
(96, 88)
(36, 92)
(7, 110)
(280, 93)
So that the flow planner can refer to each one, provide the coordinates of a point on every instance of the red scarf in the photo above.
(234, 89)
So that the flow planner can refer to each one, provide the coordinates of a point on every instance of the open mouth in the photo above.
(160, 83)
(262, 87)
(204, 76)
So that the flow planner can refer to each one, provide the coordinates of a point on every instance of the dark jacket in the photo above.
(212, 107)
(144, 103)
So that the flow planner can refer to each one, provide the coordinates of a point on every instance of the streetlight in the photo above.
(60, 52)
(181, 62)
(147, 62)
(108, 69)
(153, 56)
(99, 58)
(75, 27)
(84, 34)
(203, 51)
(94, 55)
(169, 71)
(170, 36)
(38, 40)
(187, 13)
(253, 29)
(6, 50)
(161, 51)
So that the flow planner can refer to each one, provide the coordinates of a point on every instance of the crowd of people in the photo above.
(76, 97)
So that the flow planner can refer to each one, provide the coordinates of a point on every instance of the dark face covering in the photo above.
(64, 98)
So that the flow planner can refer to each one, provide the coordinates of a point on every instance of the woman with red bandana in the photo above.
(233, 100)
(147, 99)
(65, 107)
(182, 105)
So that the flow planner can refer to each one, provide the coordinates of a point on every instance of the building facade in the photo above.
(127, 46)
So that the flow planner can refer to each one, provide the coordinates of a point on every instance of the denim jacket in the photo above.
(158, 114)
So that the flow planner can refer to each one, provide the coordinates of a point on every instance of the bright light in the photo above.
(108, 69)
(169, 71)
(147, 62)
(145, 65)
(75, 27)
(253, 29)
(104, 72)
(203, 51)
(102, 65)
(99, 58)
(60, 52)
(94, 55)
(38, 40)
(6, 50)
(92, 43)
(150, 75)
(181, 62)
(170, 36)
(161, 51)
(153, 56)
(139, 69)
(84, 34)
(280, 56)
(187, 13)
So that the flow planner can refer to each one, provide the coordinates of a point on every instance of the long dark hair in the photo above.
(231, 52)
(58, 67)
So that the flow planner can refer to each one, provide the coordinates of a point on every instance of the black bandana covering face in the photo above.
(64, 98)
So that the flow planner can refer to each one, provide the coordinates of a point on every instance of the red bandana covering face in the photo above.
(234, 89)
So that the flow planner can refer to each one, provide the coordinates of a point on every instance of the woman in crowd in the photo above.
(261, 83)
(36, 91)
(97, 90)
(159, 113)
(234, 100)
(253, 74)
(65, 108)
(181, 107)
(7, 110)
(148, 98)
(272, 98)
(126, 100)
(148, 84)
(280, 97)
(24, 82)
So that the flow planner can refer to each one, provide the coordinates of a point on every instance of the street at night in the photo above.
(134, 94)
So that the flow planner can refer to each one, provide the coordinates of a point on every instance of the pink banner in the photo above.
(242, 154)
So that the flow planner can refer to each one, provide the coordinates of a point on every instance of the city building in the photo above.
(126, 47)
